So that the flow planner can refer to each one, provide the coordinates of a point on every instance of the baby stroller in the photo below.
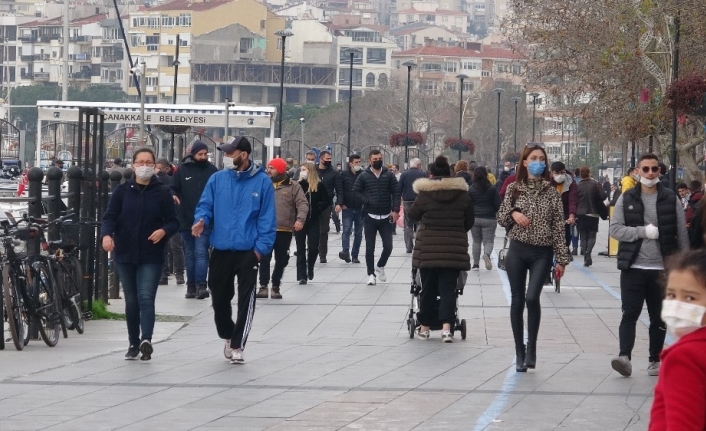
(412, 324)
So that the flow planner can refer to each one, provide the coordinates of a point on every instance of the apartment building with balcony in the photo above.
(453, 20)
(153, 33)
(9, 49)
(41, 51)
(316, 70)
(486, 67)
(415, 34)
(108, 58)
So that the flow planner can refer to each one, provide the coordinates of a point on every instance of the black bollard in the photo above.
(128, 174)
(54, 177)
(113, 281)
(35, 177)
(87, 237)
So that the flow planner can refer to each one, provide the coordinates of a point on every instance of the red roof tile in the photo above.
(457, 51)
(188, 5)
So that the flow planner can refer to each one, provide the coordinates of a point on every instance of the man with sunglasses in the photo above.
(648, 222)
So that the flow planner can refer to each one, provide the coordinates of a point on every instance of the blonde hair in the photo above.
(312, 178)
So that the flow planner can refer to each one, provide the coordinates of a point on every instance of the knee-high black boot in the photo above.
(520, 366)
(531, 356)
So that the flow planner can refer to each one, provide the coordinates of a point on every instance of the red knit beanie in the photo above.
(278, 164)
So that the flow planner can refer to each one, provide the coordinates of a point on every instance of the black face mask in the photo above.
(377, 164)
(327, 164)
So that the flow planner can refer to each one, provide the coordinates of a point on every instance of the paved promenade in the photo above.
(335, 355)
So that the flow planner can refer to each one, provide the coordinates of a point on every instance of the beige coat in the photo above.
(290, 204)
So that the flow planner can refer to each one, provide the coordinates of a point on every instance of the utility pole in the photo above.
(65, 74)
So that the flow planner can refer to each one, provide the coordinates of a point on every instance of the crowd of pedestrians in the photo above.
(223, 226)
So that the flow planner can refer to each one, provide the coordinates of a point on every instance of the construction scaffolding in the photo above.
(264, 73)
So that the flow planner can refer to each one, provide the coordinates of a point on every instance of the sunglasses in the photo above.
(647, 169)
(535, 145)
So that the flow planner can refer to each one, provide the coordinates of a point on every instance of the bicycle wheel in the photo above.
(14, 309)
(48, 318)
(71, 278)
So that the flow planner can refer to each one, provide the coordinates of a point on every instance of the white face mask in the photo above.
(144, 172)
(649, 183)
(357, 168)
(559, 178)
(228, 163)
(682, 317)
(506, 169)
(303, 175)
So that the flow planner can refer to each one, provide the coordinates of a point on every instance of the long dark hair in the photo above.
(480, 178)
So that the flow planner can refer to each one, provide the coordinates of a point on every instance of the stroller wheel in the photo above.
(463, 329)
(411, 327)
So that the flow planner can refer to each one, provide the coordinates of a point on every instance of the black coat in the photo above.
(133, 214)
(446, 214)
(188, 183)
(318, 201)
(485, 202)
(407, 180)
(380, 196)
(346, 181)
(696, 229)
(329, 177)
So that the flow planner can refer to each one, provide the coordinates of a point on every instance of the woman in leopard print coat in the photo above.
(532, 211)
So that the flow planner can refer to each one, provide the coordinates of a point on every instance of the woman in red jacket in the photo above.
(680, 394)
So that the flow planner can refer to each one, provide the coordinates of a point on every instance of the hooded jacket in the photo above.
(291, 204)
(133, 214)
(569, 195)
(240, 206)
(446, 214)
(680, 393)
(188, 183)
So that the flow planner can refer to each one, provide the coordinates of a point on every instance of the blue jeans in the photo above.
(352, 221)
(196, 256)
(140, 290)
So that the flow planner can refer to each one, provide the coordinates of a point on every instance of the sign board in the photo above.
(162, 114)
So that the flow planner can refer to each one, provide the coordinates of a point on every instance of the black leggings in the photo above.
(537, 260)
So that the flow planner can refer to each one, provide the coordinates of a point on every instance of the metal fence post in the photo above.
(102, 255)
(88, 183)
(75, 175)
(113, 280)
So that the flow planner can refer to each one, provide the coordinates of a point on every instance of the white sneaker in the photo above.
(238, 357)
(446, 337)
(372, 281)
(381, 274)
(228, 351)
(488, 263)
(422, 335)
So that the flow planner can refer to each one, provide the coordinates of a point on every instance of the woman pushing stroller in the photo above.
(441, 248)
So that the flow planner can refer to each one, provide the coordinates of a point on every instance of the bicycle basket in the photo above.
(501, 258)
(70, 234)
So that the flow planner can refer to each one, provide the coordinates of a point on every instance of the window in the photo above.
(370, 80)
(450, 66)
(431, 67)
(517, 69)
(450, 87)
(430, 18)
(429, 87)
(262, 24)
(468, 85)
(470, 65)
(444, 18)
(185, 20)
(137, 40)
(169, 21)
(344, 76)
(345, 54)
(153, 22)
(377, 55)
(246, 45)
(485, 74)
(151, 81)
(382, 80)
(184, 41)
(152, 42)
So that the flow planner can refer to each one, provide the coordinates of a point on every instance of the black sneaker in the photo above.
(344, 256)
(132, 353)
(163, 281)
(323, 260)
(146, 350)
(355, 260)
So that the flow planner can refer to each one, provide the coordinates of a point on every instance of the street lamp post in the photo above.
(350, 103)
(409, 65)
(515, 99)
(499, 92)
(302, 120)
(461, 77)
(534, 110)
(175, 63)
(283, 34)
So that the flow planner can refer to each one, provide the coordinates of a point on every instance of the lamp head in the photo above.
(409, 64)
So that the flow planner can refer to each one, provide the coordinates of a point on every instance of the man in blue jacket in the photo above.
(238, 203)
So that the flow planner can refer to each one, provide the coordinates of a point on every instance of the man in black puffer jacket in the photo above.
(329, 176)
(347, 203)
(188, 183)
(378, 190)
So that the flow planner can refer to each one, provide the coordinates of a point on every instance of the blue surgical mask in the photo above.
(536, 168)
